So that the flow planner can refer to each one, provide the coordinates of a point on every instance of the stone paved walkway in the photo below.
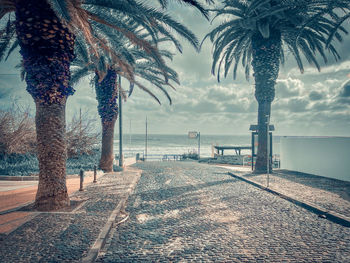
(330, 194)
(189, 212)
(14, 194)
(64, 236)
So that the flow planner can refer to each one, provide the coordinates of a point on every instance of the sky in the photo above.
(310, 104)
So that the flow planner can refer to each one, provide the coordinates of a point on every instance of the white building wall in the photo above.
(325, 156)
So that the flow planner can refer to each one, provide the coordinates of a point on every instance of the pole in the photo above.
(146, 141)
(95, 173)
(199, 145)
(120, 126)
(81, 174)
(253, 150)
(80, 135)
(130, 134)
(268, 149)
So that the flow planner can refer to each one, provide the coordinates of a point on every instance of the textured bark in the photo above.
(106, 95)
(50, 127)
(47, 48)
(261, 160)
(107, 156)
(266, 61)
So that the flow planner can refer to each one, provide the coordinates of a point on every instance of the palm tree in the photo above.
(255, 33)
(47, 31)
(193, 3)
(108, 89)
(145, 67)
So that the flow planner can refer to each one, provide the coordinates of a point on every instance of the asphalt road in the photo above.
(184, 211)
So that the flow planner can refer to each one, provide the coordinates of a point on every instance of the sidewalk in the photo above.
(15, 194)
(29, 236)
(324, 195)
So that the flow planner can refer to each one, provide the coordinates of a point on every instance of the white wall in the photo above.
(325, 156)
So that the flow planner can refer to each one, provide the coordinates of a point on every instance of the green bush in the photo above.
(19, 165)
(27, 164)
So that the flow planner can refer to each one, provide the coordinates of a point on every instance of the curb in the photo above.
(19, 178)
(105, 231)
(36, 177)
(331, 216)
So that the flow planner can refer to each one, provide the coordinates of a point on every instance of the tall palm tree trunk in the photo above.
(47, 48)
(107, 94)
(107, 155)
(51, 151)
(266, 61)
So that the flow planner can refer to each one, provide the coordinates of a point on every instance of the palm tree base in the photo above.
(106, 165)
(50, 203)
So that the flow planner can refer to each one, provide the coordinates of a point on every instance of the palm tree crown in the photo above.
(296, 24)
(257, 32)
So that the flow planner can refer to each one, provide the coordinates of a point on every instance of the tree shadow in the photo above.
(336, 186)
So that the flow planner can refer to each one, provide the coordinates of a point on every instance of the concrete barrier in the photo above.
(324, 156)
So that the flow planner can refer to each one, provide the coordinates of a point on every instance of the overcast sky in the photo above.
(309, 104)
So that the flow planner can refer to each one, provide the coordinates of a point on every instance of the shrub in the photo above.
(83, 161)
(82, 139)
(18, 143)
(19, 164)
(17, 132)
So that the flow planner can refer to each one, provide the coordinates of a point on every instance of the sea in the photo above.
(167, 144)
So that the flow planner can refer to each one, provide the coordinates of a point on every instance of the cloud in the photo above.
(221, 93)
(289, 87)
(315, 95)
(313, 103)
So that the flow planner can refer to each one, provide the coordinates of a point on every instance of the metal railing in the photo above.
(162, 157)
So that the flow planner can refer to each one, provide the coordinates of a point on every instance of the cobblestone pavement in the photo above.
(330, 194)
(184, 211)
(66, 236)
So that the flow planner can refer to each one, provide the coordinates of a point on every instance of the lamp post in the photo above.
(120, 126)
(199, 145)
(268, 148)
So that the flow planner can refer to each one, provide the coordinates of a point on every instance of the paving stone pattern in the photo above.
(65, 237)
(327, 193)
(190, 212)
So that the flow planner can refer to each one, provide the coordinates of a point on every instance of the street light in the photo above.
(121, 159)
(268, 148)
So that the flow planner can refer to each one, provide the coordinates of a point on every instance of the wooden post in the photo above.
(81, 180)
(95, 174)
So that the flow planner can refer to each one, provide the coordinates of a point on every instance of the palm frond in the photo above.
(6, 6)
(14, 45)
(7, 38)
